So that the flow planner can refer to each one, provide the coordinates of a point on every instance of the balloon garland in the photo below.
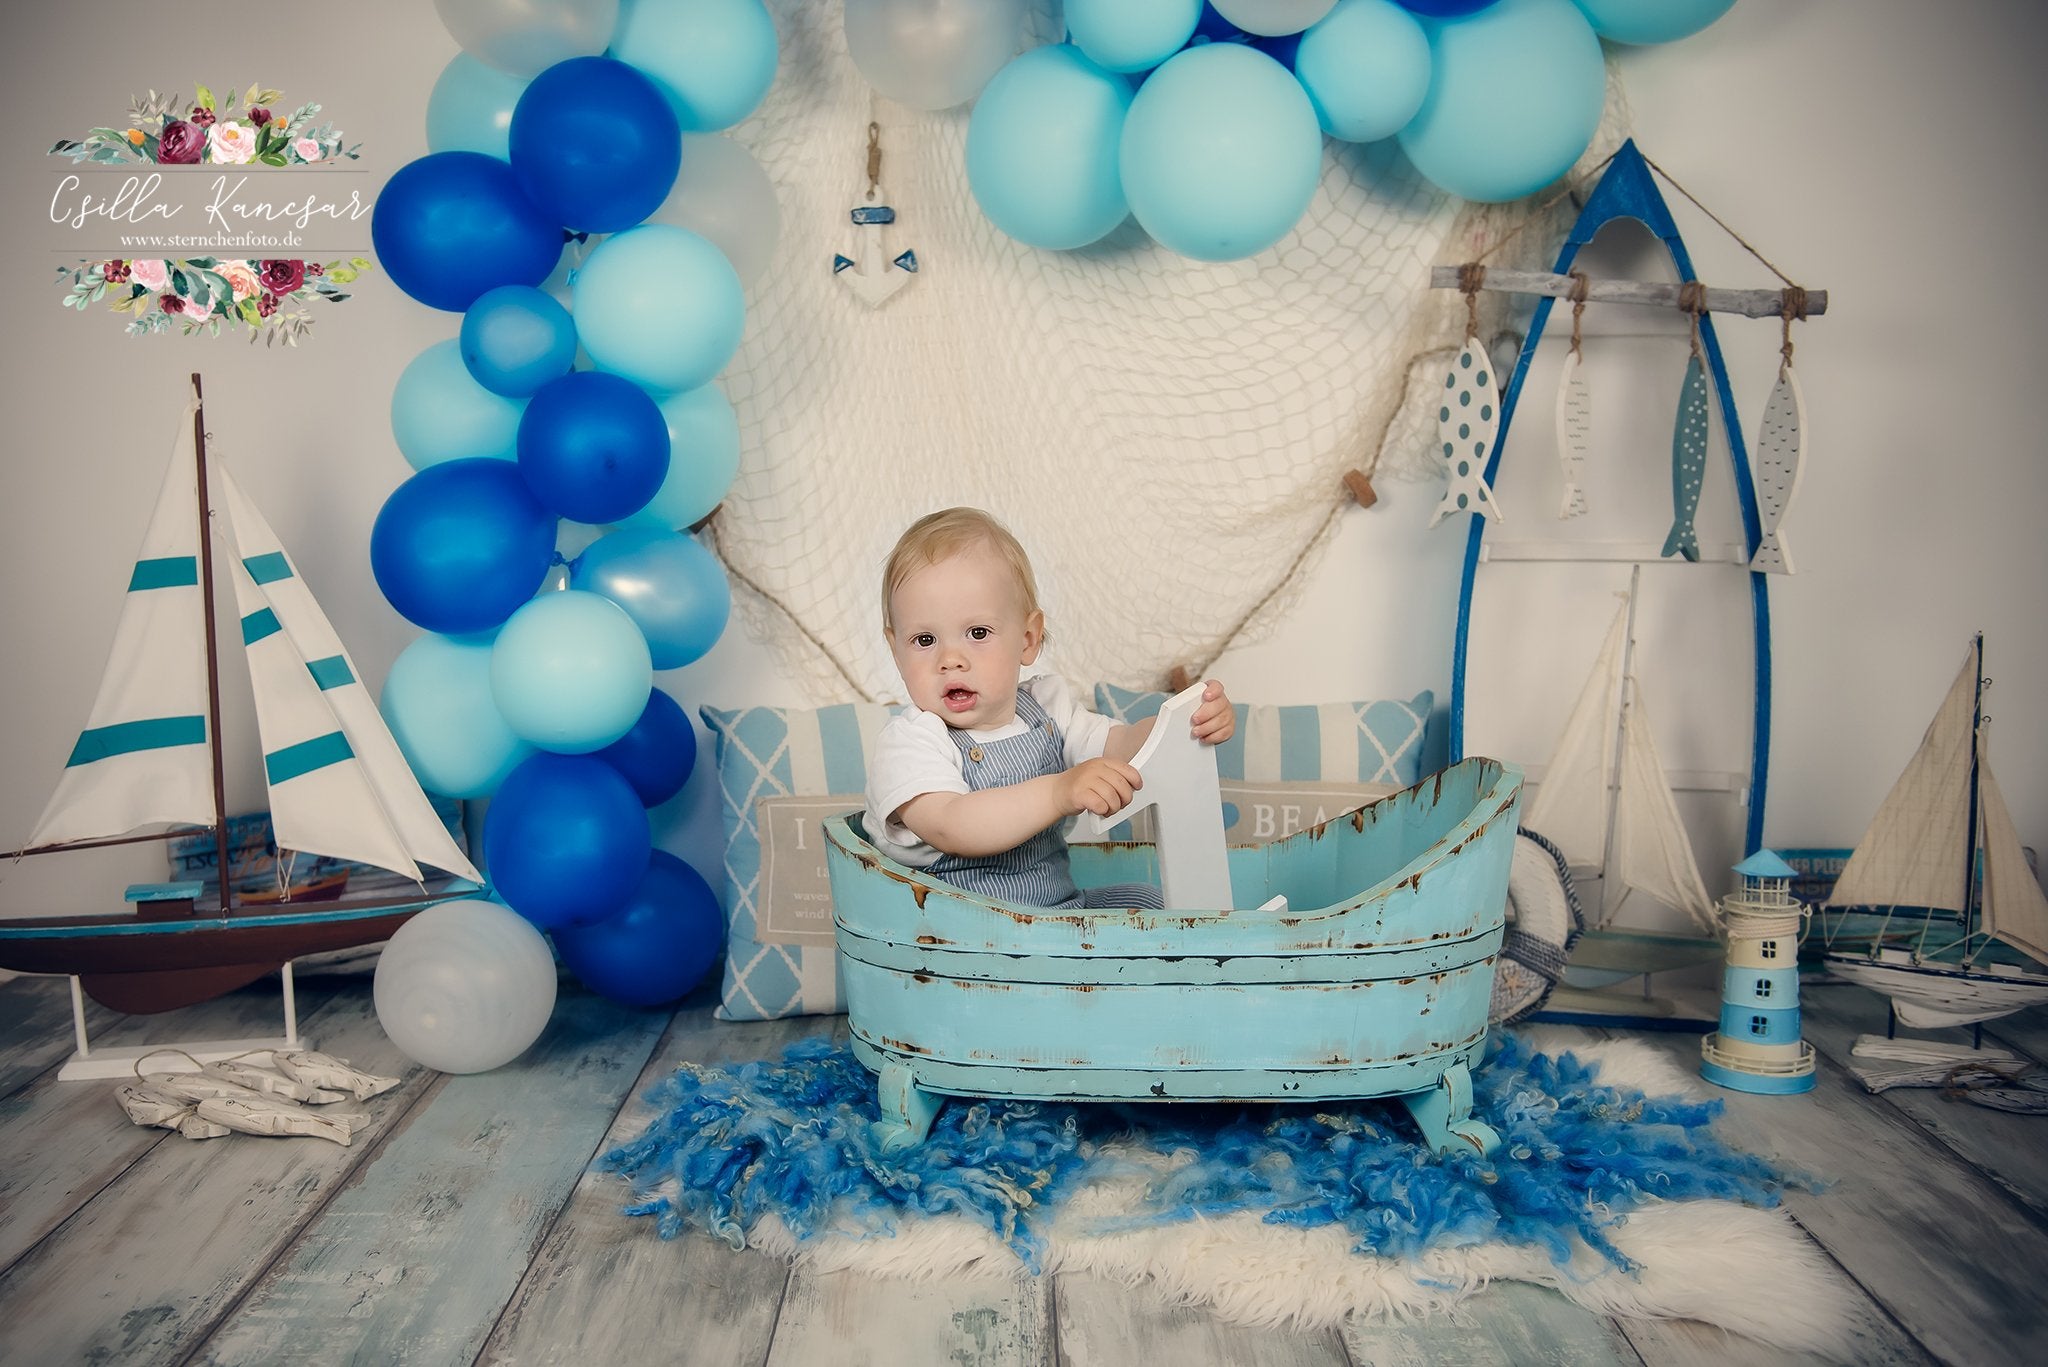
(1205, 121)
(594, 121)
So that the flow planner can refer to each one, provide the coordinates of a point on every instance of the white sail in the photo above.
(2015, 910)
(1651, 854)
(1570, 806)
(337, 777)
(142, 758)
(1916, 852)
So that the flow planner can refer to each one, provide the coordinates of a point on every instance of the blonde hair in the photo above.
(942, 535)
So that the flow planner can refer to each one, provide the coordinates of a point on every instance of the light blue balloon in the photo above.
(439, 412)
(437, 702)
(517, 339)
(1365, 67)
(470, 109)
(1514, 99)
(713, 59)
(672, 588)
(1131, 35)
(661, 306)
(1651, 21)
(1221, 152)
(570, 672)
(1042, 148)
(703, 457)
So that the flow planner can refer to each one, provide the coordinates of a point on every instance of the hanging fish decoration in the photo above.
(1688, 461)
(1779, 460)
(1574, 433)
(1466, 424)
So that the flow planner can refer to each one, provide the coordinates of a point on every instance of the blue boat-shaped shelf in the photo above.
(1376, 982)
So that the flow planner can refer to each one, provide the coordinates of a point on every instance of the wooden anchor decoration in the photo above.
(871, 273)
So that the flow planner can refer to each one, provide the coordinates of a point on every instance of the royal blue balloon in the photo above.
(703, 457)
(593, 446)
(516, 339)
(661, 306)
(595, 144)
(1365, 68)
(656, 949)
(1651, 21)
(439, 412)
(1221, 152)
(1448, 9)
(1042, 148)
(460, 545)
(713, 59)
(1131, 35)
(657, 754)
(1514, 99)
(470, 109)
(437, 702)
(452, 225)
(566, 840)
(674, 590)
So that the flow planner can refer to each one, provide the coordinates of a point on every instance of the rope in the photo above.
(1692, 299)
(740, 578)
(1578, 297)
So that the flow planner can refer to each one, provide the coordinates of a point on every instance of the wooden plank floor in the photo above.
(464, 1225)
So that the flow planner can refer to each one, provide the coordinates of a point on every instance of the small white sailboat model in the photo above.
(1606, 803)
(150, 754)
(1978, 929)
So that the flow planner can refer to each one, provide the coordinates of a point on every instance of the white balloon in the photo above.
(526, 37)
(466, 986)
(722, 193)
(1272, 18)
(932, 54)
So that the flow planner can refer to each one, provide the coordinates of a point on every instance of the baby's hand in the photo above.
(1101, 786)
(1215, 721)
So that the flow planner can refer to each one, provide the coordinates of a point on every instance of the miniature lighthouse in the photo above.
(1758, 1048)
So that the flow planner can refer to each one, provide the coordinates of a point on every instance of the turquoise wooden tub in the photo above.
(1375, 981)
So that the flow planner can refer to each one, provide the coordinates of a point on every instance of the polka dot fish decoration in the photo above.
(1779, 458)
(1466, 424)
(1574, 433)
(1688, 460)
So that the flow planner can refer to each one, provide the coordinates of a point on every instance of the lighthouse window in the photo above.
(1768, 948)
(1763, 988)
(1759, 1025)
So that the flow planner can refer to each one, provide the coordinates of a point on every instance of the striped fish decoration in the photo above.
(1779, 460)
(1466, 423)
(1574, 434)
(1688, 461)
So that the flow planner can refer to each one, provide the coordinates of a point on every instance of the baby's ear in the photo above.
(1034, 636)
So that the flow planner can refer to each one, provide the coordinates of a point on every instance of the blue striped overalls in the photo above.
(1035, 873)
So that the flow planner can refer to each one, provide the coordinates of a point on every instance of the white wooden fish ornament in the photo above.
(871, 273)
(1574, 434)
(1468, 418)
(1780, 457)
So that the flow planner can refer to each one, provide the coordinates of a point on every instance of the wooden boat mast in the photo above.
(1970, 833)
(1610, 905)
(213, 745)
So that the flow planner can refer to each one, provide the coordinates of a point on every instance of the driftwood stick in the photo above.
(1744, 303)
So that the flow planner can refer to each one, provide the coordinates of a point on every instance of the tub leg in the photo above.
(907, 1109)
(1445, 1114)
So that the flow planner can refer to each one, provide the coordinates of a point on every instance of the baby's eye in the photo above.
(979, 633)
(924, 640)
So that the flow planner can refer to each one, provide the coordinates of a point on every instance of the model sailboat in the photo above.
(1606, 803)
(150, 753)
(1979, 928)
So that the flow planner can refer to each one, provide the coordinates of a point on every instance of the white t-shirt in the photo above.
(914, 755)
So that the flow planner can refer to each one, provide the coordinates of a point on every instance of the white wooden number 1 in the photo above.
(1180, 785)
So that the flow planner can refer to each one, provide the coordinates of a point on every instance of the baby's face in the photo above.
(961, 634)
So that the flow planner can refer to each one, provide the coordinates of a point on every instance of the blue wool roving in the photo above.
(790, 1138)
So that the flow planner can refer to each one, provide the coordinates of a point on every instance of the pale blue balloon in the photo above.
(439, 412)
(1365, 68)
(1651, 21)
(661, 306)
(437, 702)
(1131, 35)
(713, 59)
(1514, 99)
(1042, 148)
(570, 672)
(672, 588)
(703, 457)
(470, 109)
(1221, 152)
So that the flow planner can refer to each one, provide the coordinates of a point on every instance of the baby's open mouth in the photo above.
(959, 699)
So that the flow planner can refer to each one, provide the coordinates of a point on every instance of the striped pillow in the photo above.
(781, 771)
